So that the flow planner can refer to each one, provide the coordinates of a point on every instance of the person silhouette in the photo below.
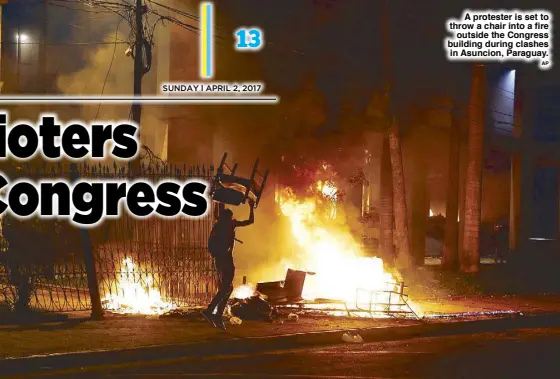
(221, 245)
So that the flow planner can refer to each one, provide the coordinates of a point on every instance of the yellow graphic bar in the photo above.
(206, 37)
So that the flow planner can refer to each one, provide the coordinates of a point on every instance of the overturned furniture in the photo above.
(228, 188)
(287, 295)
(284, 291)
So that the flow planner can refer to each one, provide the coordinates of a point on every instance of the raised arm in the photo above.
(220, 207)
(251, 218)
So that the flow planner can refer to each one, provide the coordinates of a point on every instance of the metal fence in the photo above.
(169, 255)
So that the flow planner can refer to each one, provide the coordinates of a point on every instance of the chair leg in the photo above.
(251, 180)
(221, 166)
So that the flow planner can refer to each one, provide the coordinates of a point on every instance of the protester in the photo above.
(221, 245)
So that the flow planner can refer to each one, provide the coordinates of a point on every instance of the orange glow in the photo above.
(328, 249)
(243, 292)
(135, 293)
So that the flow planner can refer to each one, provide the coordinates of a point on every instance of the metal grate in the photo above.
(171, 255)
(391, 302)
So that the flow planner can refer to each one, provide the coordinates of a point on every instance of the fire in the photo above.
(329, 250)
(132, 297)
(327, 189)
(243, 292)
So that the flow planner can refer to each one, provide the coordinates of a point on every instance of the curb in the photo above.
(52, 363)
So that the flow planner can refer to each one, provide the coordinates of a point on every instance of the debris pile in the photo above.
(253, 308)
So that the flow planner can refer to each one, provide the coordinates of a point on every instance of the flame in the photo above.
(243, 292)
(330, 192)
(431, 213)
(132, 297)
(327, 189)
(329, 250)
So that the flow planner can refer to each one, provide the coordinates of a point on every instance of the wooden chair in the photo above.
(230, 189)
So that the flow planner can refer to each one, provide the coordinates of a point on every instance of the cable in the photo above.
(51, 2)
(109, 69)
(108, 5)
(189, 27)
(118, 42)
(175, 10)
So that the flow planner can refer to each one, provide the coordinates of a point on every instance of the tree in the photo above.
(399, 195)
(386, 216)
(400, 207)
(469, 258)
(451, 239)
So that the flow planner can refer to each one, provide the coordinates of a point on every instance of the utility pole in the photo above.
(42, 72)
(139, 50)
(18, 56)
(138, 63)
(2, 2)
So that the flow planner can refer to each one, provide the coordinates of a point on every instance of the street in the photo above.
(522, 353)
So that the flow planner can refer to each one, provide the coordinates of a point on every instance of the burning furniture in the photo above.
(235, 190)
(287, 294)
(285, 291)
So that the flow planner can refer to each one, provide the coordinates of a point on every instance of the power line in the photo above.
(110, 66)
(118, 42)
(51, 2)
(175, 10)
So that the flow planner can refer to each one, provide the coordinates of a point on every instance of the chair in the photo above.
(235, 190)
(285, 291)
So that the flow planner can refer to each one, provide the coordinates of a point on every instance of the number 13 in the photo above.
(249, 39)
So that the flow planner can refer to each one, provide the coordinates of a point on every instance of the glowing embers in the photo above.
(136, 293)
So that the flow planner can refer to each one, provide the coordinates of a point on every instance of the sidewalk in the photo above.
(471, 304)
(118, 332)
(120, 339)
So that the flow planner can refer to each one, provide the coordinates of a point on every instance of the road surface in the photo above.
(522, 353)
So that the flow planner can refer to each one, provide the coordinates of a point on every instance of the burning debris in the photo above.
(134, 297)
(342, 280)
(244, 291)
(333, 275)
(252, 308)
(329, 249)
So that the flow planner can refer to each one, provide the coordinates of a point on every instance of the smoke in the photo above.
(266, 244)
(108, 70)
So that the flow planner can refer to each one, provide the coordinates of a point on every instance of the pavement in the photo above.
(512, 354)
(488, 304)
(40, 349)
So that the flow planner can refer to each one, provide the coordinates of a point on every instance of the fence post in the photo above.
(93, 285)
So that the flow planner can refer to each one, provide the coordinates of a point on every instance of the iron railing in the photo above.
(170, 255)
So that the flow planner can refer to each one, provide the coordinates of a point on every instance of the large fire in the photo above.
(135, 293)
(324, 246)
(329, 249)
